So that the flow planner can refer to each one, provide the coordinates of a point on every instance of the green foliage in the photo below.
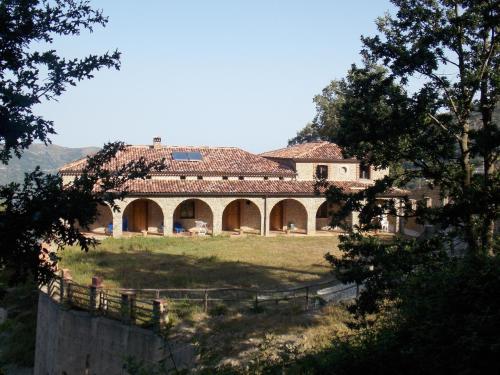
(382, 267)
(435, 311)
(32, 72)
(18, 332)
(326, 122)
(435, 130)
(447, 321)
(44, 210)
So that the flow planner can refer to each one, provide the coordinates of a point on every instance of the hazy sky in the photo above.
(227, 73)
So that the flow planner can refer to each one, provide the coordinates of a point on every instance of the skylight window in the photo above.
(187, 156)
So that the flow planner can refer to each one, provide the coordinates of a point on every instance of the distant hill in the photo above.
(50, 158)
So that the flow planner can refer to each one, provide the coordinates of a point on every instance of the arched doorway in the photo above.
(324, 216)
(193, 216)
(288, 215)
(104, 220)
(144, 216)
(241, 215)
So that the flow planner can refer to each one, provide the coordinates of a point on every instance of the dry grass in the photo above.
(159, 262)
(229, 336)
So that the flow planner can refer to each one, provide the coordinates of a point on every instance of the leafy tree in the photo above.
(425, 97)
(31, 72)
(43, 209)
(429, 128)
(326, 122)
(382, 122)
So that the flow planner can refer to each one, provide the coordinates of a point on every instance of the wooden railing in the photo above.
(150, 308)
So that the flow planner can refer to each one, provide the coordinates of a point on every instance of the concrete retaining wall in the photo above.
(76, 342)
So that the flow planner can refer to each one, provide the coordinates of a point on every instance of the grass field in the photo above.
(160, 262)
(227, 336)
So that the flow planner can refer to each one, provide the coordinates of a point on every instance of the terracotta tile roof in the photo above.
(232, 187)
(215, 161)
(307, 151)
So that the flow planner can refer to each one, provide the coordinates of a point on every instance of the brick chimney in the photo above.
(156, 142)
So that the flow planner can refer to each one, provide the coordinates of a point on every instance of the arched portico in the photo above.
(188, 215)
(288, 215)
(324, 216)
(142, 216)
(104, 220)
(243, 216)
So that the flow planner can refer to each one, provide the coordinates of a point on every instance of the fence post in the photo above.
(256, 303)
(307, 298)
(205, 300)
(160, 316)
(357, 290)
(61, 287)
(133, 304)
(69, 293)
(93, 292)
(125, 307)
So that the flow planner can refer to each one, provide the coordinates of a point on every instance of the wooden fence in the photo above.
(151, 307)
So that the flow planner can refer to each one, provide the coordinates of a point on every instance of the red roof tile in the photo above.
(216, 161)
(232, 187)
(307, 151)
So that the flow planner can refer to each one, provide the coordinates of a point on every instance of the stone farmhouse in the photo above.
(226, 189)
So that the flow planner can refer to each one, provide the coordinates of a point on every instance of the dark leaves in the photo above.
(23, 25)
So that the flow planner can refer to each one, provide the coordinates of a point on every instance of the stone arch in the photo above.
(188, 212)
(324, 215)
(104, 220)
(143, 215)
(288, 215)
(242, 215)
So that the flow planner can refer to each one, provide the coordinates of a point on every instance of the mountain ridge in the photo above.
(49, 157)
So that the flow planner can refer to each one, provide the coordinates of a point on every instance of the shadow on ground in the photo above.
(146, 269)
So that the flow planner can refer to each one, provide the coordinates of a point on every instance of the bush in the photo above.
(447, 321)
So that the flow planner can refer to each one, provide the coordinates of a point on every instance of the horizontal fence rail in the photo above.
(150, 308)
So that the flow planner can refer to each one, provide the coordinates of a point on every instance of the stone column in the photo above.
(117, 224)
(354, 218)
(263, 220)
(267, 215)
(400, 222)
(216, 221)
(168, 218)
(311, 220)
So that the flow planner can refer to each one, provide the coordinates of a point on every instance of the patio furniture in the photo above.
(384, 224)
(201, 227)
(109, 229)
(178, 228)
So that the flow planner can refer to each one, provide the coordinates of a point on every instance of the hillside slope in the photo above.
(50, 158)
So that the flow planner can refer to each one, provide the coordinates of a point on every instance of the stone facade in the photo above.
(275, 191)
(163, 212)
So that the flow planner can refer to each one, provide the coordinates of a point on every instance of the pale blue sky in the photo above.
(226, 73)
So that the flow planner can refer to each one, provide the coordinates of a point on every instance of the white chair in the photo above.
(201, 227)
(384, 224)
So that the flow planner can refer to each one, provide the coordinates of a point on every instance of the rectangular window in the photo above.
(200, 177)
(241, 178)
(364, 171)
(183, 177)
(187, 209)
(322, 172)
(225, 177)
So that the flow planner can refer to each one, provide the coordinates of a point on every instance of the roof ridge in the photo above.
(314, 148)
